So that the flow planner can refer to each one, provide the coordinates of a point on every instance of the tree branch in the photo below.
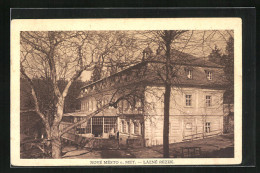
(37, 109)
(74, 78)
(85, 119)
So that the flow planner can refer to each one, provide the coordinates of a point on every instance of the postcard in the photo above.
(126, 92)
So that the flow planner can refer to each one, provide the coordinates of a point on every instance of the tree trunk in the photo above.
(167, 94)
(56, 143)
(48, 133)
(166, 121)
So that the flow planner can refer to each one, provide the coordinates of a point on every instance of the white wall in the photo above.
(154, 101)
(180, 114)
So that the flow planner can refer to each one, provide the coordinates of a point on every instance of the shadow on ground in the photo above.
(222, 153)
(214, 147)
(116, 154)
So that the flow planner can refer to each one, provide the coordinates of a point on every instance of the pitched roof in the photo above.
(199, 77)
(183, 59)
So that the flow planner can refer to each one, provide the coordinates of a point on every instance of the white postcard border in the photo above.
(123, 24)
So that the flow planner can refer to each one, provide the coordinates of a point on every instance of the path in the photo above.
(218, 146)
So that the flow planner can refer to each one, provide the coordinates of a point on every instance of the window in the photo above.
(138, 103)
(67, 119)
(117, 79)
(124, 77)
(188, 100)
(87, 106)
(90, 105)
(112, 80)
(126, 105)
(82, 106)
(110, 124)
(132, 128)
(129, 77)
(107, 100)
(104, 101)
(189, 74)
(209, 75)
(94, 105)
(97, 121)
(99, 104)
(208, 101)
(207, 127)
(188, 126)
(170, 129)
(136, 73)
(120, 106)
(97, 126)
(123, 129)
(88, 126)
(128, 127)
(142, 128)
(136, 128)
(81, 129)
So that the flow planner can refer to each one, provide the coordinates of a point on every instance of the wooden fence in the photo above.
(202, 135)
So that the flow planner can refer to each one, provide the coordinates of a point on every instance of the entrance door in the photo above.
(187, 129)
(97, 130)
(97, 126)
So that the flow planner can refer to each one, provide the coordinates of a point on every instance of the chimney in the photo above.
(160, 51)
(147, 52)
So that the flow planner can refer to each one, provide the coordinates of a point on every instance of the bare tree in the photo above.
(164, 40)
(63, 56)
(173, 46)
(115, 50)
(43, 54)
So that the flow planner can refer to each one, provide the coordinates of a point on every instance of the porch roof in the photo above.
(82, 114)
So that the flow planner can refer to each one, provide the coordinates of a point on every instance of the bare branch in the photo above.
(86, 118)
(37, 109)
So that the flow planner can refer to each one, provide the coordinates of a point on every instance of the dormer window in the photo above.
(116, 79)
(124, 78)
(189, 74)
(209, 75)
(128, 78)
(113, 79)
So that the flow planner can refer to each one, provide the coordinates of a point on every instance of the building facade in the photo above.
(196, 102)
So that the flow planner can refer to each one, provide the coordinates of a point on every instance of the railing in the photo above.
(202, 135)
(71, 134)
(190, 152)
(41, 144)
(92, 142)
(135, 142)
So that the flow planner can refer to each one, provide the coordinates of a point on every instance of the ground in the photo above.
(214, 147)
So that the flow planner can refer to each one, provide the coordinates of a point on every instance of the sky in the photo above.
(114, 46)
(85, 76)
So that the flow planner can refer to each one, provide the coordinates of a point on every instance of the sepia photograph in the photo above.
(122, 95)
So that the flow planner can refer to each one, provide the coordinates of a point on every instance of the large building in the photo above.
(196, 101)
